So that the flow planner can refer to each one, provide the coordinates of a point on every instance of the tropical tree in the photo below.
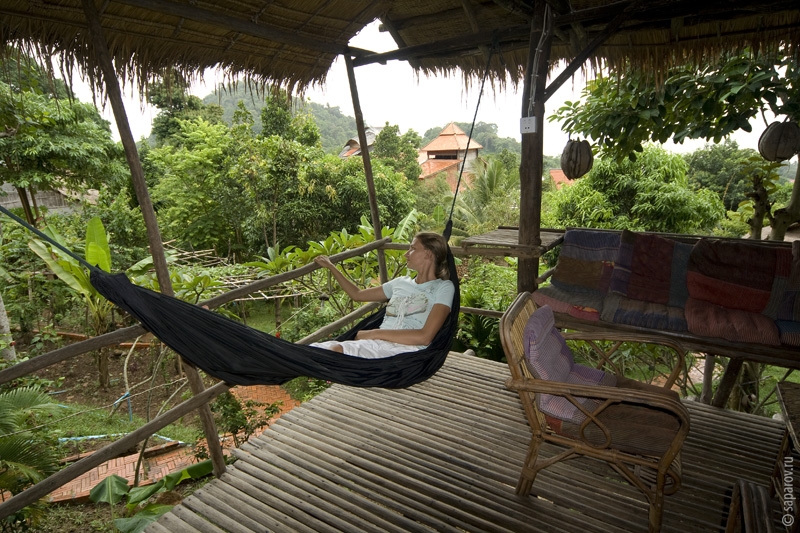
(400, 152)
(55, 144)
(625, 110)
(718, 167)
(490, 200)
(649, 194)
(175, 104)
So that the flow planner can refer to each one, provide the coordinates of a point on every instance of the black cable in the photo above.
(42, 235)
(472, 128)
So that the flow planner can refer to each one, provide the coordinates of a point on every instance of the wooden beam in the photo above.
(599, 39)
(362, 140)
(531, 164)
(727, 383)
(388, 25)
(454, 46)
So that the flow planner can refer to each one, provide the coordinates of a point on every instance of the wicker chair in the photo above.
(655, 475)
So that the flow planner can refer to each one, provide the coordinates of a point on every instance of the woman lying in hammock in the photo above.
(417, 306)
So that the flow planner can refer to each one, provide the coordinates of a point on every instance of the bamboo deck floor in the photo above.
(445, 455)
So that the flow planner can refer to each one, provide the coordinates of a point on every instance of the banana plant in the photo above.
(71, 272)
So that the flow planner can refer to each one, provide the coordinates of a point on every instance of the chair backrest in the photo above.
(512, 334)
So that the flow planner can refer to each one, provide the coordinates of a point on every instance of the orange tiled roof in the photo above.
(559, 178)
(432, 167)
(451, 139)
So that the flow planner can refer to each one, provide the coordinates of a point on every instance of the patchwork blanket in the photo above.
(582, 274)
(648, 283)
(736, 290)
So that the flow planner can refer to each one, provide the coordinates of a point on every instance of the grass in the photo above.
(90, 421)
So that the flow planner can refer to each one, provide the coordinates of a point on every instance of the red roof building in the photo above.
(559, 178)
(445, 155)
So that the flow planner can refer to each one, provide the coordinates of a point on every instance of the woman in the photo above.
(417, 307)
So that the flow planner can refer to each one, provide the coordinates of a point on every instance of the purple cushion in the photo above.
(549, 358)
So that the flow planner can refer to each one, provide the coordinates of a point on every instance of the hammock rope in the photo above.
(240, 355)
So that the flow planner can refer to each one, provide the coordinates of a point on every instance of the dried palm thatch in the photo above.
(293, 43)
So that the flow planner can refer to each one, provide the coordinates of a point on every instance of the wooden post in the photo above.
(708, 378)
(362, 140)
(531, 164)
(727, 383)
(114, 93)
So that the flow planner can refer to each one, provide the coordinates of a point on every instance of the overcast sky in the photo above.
(392, 93)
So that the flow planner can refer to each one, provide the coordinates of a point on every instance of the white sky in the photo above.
(392, 93)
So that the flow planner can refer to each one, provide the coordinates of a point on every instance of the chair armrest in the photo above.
(621, 336)
(608, 396)
(600, 392)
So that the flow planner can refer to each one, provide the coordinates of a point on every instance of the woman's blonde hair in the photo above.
(437, 245)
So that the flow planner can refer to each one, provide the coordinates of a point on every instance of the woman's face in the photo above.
(417, 256)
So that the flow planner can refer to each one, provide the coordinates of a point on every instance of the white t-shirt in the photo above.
(410, 303)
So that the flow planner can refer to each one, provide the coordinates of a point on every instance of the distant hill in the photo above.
(336, 128)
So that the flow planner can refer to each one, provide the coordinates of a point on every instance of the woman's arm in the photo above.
(373, 294)
(414, 337)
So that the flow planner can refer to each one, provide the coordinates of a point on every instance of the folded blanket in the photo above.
(651, 268)
(621, 310)
(709, 320)
(736, 275)
(590, 245)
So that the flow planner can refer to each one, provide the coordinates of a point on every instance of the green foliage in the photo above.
(26, 453)
(485, 286)
(303, 389)
(650, 194)
(241, 420)
(113, 489)
(72, 273)
(491, 200)
(399, 152)
(624, 111)
(719, 167)
(56, 143)
(175, 105)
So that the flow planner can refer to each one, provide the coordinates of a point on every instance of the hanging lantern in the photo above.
(576, 159)
(780, 141)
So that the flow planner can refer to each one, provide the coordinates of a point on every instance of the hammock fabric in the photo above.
(240, 355)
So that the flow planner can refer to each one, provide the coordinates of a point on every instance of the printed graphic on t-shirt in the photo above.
(407, 305)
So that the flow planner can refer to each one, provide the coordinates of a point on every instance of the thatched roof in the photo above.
(294, 42)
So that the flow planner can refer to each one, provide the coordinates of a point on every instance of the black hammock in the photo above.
(240, 355)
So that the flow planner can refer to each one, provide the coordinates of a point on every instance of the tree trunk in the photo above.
(760, 209)
(26, 206)
(790, 214)
(7, 350)
(102, 367)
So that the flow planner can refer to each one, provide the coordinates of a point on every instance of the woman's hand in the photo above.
(324, 261)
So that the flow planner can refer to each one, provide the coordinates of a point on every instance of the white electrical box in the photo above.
(527, 125)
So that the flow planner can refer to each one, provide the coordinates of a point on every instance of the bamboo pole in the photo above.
(114, 93)
(362, 140)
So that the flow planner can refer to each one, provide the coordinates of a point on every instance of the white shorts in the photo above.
(369, 348)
